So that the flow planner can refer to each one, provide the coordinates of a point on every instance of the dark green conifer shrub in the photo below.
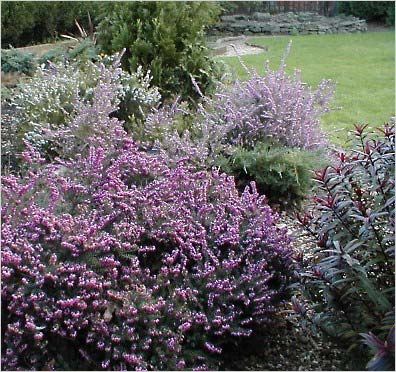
(166, 38)
(282, 174)
(349, 276)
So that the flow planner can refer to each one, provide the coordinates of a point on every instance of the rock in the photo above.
(347, 23)
(290, 23)
(241, 17)
(230, 19)
(270, 27)
(262, 17)
(255, 27)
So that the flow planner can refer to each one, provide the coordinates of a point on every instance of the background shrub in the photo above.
(114, 261)
(28, 22)
(379, 11)
(166, 38)
(349, 280)
(283, 175)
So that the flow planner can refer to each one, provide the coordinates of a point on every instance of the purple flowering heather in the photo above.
(114, 261)
(274, 108)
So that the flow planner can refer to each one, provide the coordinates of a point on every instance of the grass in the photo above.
(363, 65)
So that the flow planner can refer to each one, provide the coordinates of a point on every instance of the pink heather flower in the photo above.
(132, 256)
(185, 327)
(38, 337)
(180, 364)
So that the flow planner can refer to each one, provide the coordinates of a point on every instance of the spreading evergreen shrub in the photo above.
(349, 276)
(13, 60)
(166, 38)
(283, 175)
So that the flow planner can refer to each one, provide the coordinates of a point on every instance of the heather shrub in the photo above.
(72, 99)
(348, 279)
(183, 134)
(283, 175)
(276, 109)
(167, 39)
(115, 261)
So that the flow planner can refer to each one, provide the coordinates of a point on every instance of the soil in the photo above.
(289, 346)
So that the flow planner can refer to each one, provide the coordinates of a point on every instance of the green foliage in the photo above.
(13, 60)
(380, 11)
(53, 55)
(26, 22)
(17, 20)
(85, 50)
(348, 278)
(283, 174)
(238, 7)
(166, 38)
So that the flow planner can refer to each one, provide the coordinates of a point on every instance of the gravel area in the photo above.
(237, 45)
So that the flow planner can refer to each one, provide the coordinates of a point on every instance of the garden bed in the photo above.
(289, 23)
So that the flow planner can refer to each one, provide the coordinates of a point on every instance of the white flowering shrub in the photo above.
(42, 110)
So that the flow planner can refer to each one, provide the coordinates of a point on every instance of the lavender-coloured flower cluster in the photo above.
(114, 261)
(275, 108)
(278, 108)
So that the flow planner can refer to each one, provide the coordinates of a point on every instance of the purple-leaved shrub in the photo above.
(111, 260)
(348, 278)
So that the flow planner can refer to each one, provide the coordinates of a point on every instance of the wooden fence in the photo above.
(327, 8)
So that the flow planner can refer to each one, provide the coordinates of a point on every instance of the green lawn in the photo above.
(363, 65)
